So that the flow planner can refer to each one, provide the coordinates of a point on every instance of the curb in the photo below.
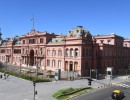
(102, 86)
(76, 95)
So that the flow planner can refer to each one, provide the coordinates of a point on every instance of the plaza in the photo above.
(14, 88)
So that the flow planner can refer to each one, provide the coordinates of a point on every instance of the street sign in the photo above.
(57, 74)
(109, 69)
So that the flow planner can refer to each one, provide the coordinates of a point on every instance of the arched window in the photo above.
(75, 66)
(59, 52)
(71, 52)
(23, 51)
(48, 52)
(53, 63)
(48, 62)
(54, 53)
(76, 52)
(67, 52)
(59, 63)
(41, 51)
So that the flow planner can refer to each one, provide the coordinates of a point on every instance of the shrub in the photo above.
(27, 77)
(69, 90)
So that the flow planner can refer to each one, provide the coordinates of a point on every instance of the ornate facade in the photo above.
(76, 51)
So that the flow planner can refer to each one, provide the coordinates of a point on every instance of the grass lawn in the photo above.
(65, 94)
(129, 77)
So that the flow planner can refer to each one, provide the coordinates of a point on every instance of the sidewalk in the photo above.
(20, 89)
(51, 87)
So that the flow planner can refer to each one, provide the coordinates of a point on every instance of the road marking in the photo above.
(123, 85)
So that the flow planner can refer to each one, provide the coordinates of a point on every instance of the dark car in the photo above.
(117, 95)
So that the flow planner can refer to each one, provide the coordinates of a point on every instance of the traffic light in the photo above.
(35, 92)
(89, 81)
(34, 83)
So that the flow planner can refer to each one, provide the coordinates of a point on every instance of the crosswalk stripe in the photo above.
(123, 85)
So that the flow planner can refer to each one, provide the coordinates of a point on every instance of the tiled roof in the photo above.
(56, 41)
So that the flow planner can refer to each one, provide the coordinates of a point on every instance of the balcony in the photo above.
(7, 54)
(23, 54)
(39, 55)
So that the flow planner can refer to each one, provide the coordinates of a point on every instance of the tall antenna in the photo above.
(0, 34)
(32, 21)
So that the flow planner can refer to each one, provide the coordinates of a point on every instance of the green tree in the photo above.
(49, 71)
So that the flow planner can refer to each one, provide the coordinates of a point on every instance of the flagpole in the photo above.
(32, 21)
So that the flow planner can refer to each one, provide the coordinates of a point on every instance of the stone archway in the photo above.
(75, 66)
(71, 66)
(31, 63)
(66, 66)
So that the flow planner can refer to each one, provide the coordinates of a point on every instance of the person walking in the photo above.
(4, 75)
(7, 75)
(1, 76)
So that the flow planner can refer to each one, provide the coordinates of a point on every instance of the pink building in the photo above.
(78, 52)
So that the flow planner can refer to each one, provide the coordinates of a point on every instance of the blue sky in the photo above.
(60, 16)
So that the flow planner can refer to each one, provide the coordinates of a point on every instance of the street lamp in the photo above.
(35, 92)
(20, 64)
(37, 67)
(126, 74)
(90, 75)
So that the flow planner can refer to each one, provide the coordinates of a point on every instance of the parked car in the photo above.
(117, 95)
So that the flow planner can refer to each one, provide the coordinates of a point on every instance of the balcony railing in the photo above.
(8, 54)
(39, 55)
(23, 54)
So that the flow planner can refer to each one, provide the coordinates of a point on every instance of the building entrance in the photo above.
(31, 63)
(71, 67)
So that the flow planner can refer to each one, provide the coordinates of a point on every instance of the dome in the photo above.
(79, 31)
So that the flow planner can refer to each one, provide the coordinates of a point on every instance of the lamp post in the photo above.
(35, 92)
(37, 67)
(126, 74)
(90, 73)
(20, 64)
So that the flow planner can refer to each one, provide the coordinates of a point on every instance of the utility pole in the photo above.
(37, 68)
(32, 22)
(126, 74)
(90, 73)
(89, 81)
(35, 92)
(20, 64)
(96, 73)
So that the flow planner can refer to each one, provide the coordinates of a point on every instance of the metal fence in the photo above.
(24, 70)
(94, 73)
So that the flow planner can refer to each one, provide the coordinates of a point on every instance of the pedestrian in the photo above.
(73, 78)
(70, 78)
(4, 76)
(1, 76)
(56, 79)
(7, 75)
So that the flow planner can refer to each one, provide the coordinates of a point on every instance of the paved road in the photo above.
(105, 93)
(19, 89)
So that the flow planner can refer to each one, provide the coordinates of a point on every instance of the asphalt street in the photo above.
(105, 93)
(14, 88)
